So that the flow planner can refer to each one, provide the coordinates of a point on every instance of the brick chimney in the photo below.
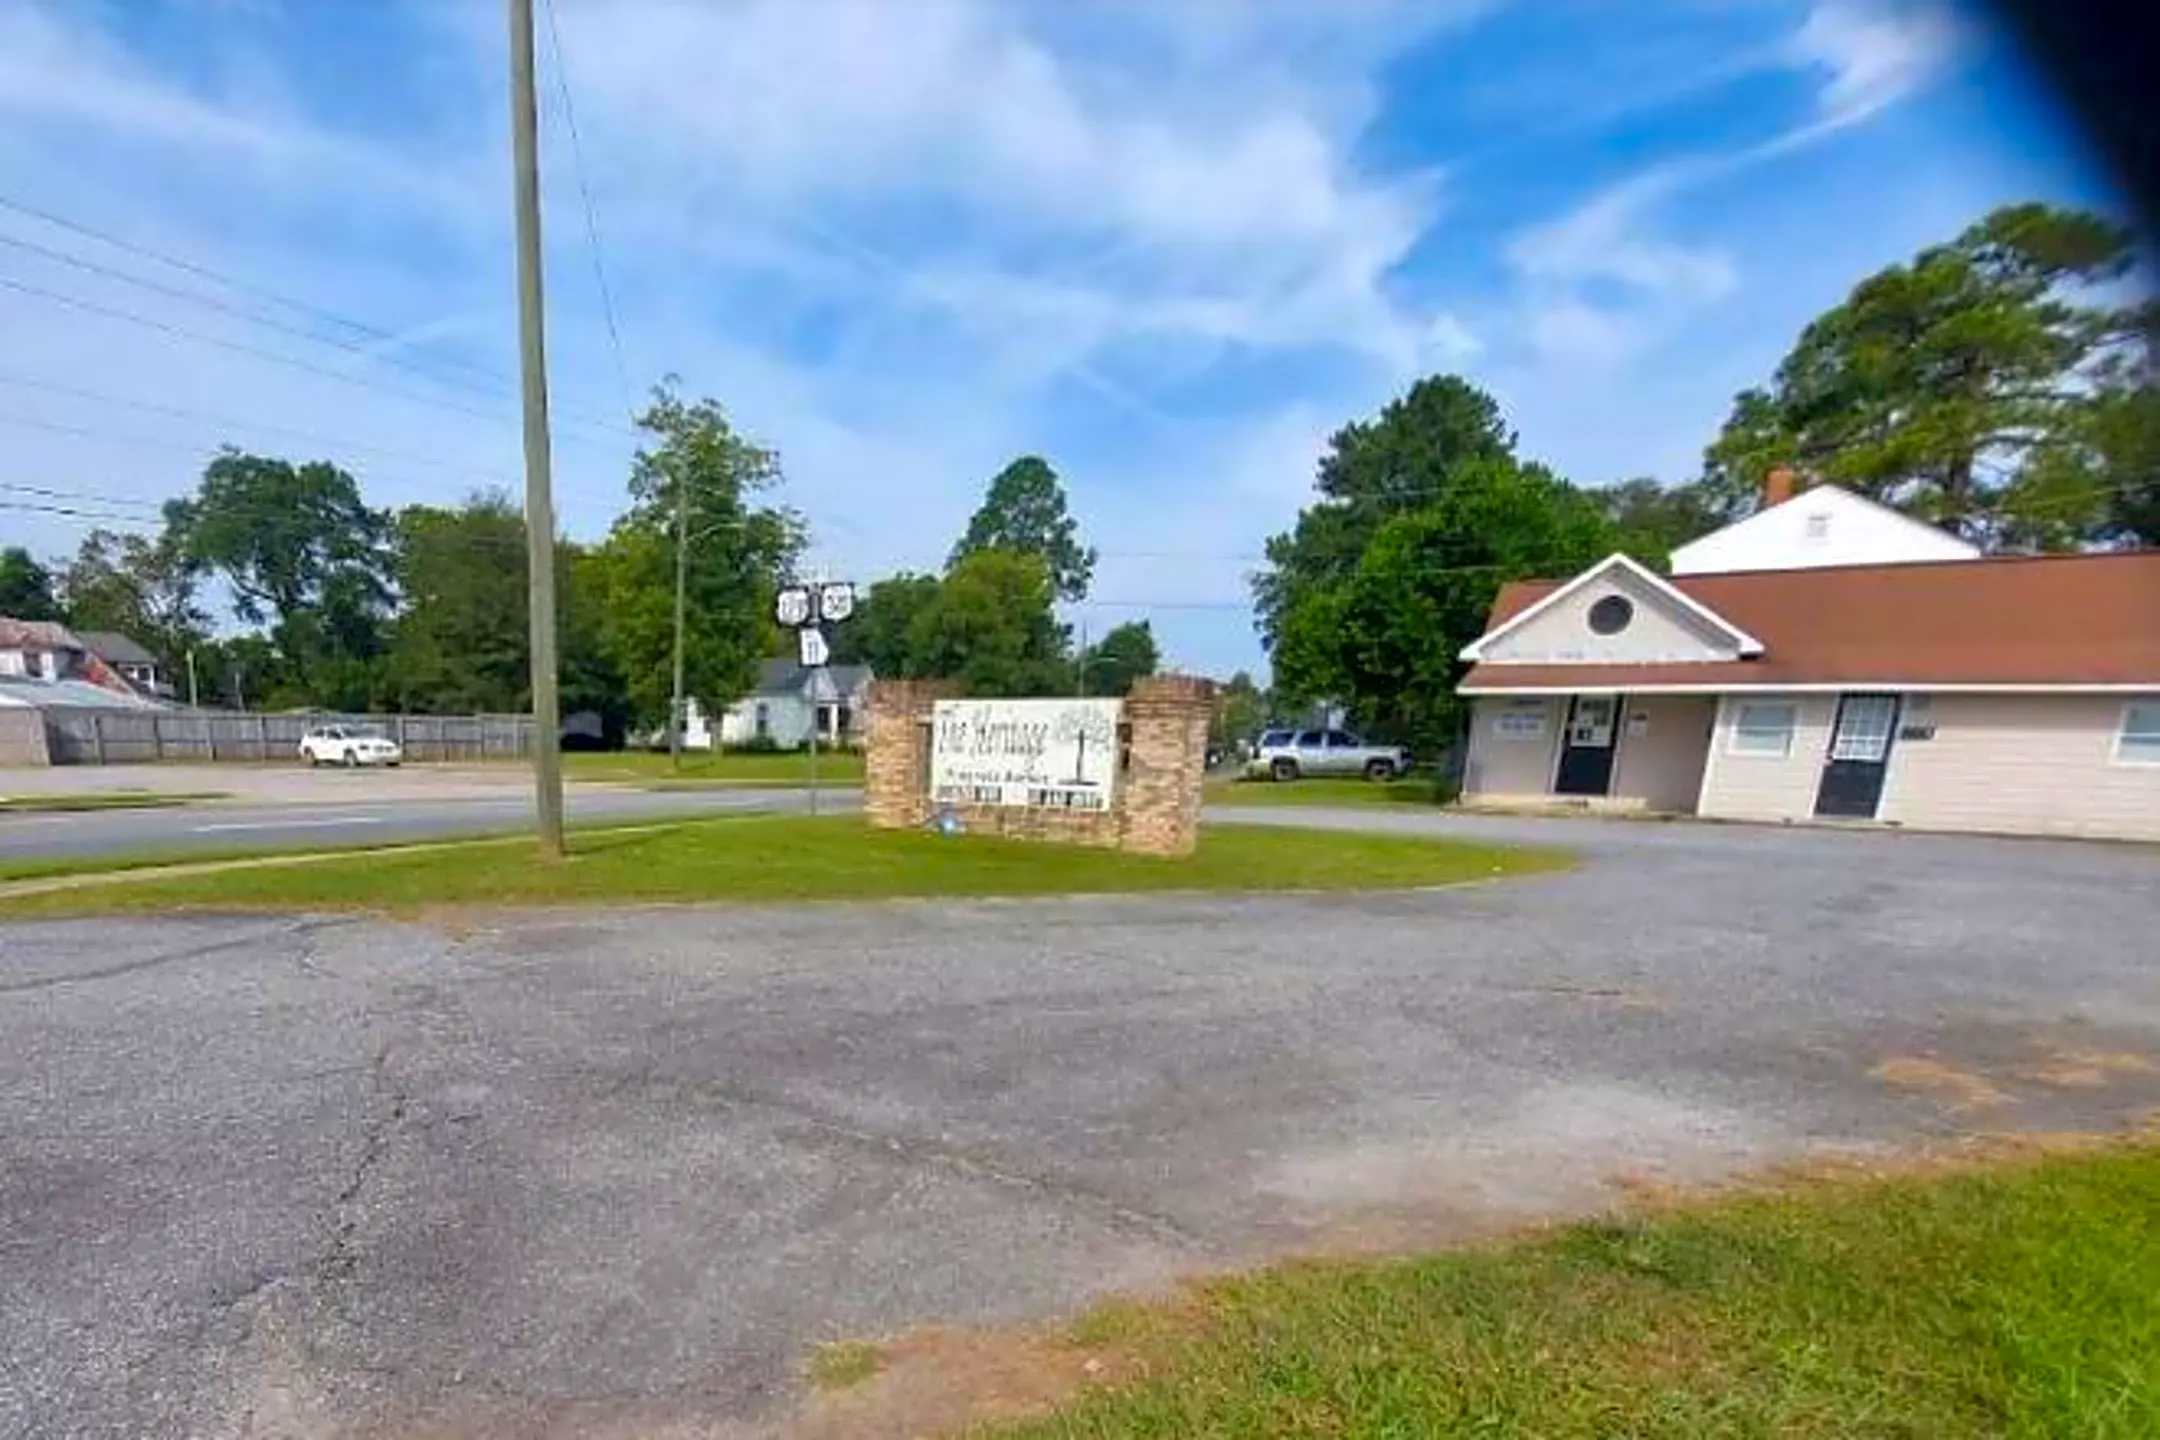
(1778, 486)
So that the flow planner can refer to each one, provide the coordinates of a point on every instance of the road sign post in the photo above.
(808, 609)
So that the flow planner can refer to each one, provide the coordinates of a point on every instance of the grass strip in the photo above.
(2022, 1300)
(764, 859)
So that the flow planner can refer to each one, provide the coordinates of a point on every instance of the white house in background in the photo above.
(1819, 527)
(1874, 670)
(788, 701)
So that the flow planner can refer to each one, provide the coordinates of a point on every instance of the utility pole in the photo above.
(676, 714)
(193, 703)
(539, 501)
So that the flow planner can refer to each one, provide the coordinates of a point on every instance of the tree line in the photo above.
(2000, 386)
(331, 603)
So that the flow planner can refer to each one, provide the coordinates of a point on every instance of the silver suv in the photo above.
(1288, 754)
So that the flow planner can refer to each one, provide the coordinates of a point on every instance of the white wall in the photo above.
(1768, 787)
(1663, 743)
(1498, 766)
(2021, 764)
(787, 720)
(1659, 631)
(1819, 527)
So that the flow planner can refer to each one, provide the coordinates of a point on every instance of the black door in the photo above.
(1859, 757)
(1586, 746)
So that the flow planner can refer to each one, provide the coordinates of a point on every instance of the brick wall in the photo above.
(1156, 805)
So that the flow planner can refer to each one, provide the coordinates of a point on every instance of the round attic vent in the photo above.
(1612, 614)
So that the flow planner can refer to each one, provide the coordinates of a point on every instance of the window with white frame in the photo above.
(2138, 741)
(1763, 727)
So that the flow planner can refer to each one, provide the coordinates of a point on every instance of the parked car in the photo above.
(349, 745)
(1289, 754)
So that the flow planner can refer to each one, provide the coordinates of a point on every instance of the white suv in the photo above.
(349, 745)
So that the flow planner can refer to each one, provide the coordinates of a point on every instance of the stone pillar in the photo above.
(896, 751)
(1167, 716)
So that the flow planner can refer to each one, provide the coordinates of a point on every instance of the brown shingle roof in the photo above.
(2039, 620)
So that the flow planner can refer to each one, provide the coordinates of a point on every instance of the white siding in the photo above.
(2021, 764)
(787, 720)
(1499, 767)
(1818, 527)
(1659, 631)
(1768, 787)
(1663, 742)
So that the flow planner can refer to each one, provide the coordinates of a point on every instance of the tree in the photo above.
(1241, 709)
(26, 587)
(1650, 520)
(1423, 513)
(302, 552)
(1122, 656)
(1024, 512)
(879, 633)
(737, 553)
(144, 588)
(1950, 386)
(462, 642)
(991, 627)
(1374, 469)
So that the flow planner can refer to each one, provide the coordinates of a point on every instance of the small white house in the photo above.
(787, 702)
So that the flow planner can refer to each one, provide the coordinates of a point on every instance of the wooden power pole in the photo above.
(539, 500)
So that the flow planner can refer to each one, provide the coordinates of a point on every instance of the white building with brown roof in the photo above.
(1859, 667)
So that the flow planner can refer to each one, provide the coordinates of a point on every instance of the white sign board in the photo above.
(814, 650)
(1058, 754)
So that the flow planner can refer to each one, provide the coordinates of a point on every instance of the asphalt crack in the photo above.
(300, 931)
(341, 1256)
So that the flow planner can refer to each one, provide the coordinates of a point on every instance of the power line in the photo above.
(248, 287)
(592, 217)
(239, 347)
(205, 417)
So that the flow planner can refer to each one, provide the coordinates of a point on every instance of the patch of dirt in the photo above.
(2076, 1070)
(936, 1381)
(1961, 1090)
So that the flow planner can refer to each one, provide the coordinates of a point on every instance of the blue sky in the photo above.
(1170, 246)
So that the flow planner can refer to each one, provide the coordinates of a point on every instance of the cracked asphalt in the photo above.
(614, 1173)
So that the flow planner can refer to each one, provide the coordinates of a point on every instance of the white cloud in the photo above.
(1874, 53)
(1606, 238)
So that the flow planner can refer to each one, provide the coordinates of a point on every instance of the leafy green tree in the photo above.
(1422, 514)
(1375, 469)
(992, 628)
(461, 641)
(1949, 386)
(301, 551)
(1650, 520)
(26, 587)
(1125, 654)
(1241, 709)
(1024, 512)
(737, 552)
(145, 588)
(878, 634)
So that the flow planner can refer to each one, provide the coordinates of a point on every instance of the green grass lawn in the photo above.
(764, 859)
(103, 800)
(651, 769)
(2023, 1301)
(1414, 790)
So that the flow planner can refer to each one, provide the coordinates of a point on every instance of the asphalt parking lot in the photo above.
(614, 1173)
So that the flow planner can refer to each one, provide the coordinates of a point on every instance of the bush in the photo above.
(756, 745)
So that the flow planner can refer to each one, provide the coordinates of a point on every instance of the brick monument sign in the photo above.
(1120, 774)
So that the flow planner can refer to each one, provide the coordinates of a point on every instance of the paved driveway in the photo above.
(612, 1174)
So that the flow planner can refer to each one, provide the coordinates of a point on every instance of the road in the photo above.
(301, 824)
(615, 1172)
